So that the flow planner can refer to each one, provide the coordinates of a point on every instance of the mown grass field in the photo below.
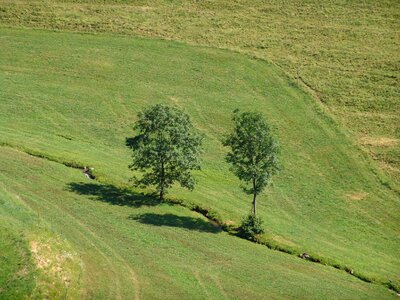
(344, 52)
(73, 98)
(142, 249)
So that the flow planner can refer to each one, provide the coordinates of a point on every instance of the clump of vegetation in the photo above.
(166, 148)
(251, 227)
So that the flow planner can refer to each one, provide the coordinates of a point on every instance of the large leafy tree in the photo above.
(253, 152)
(166, 148)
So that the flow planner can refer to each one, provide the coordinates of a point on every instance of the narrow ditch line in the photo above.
(217, 222)
(276, 247)
(314, 90)
(75, 165)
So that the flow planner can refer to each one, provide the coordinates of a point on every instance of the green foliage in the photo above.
(251, 227)
(166, 148)
(253, 152)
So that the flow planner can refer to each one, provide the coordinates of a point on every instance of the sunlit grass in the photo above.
(74, 97)
(139, 248)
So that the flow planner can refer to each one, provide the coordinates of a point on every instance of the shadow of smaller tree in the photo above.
(172, 220)
(112, 194)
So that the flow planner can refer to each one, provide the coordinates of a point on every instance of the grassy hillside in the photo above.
(144, 249)
(73, 98)
(344, 52)
(35, 261)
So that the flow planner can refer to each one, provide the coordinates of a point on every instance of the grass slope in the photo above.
(16, 278)
(139, 248)
(74, 97)
(346, 52)
(34, 261)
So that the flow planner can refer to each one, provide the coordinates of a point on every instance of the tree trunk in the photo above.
(254, 204)
(254, 196)
(162, 181)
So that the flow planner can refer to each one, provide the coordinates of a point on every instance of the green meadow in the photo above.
(72, 99)
(344, 53)
(87, 247)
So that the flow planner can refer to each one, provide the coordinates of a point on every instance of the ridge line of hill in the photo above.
(214, 219)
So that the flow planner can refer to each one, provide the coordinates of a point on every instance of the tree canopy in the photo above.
(253, 152)
(166, 148)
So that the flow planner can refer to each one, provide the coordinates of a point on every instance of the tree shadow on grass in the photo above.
(126, 197)
(171, 220)
(112, 194)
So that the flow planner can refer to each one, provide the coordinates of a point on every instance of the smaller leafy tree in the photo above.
(166, 148)
(253, 152)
